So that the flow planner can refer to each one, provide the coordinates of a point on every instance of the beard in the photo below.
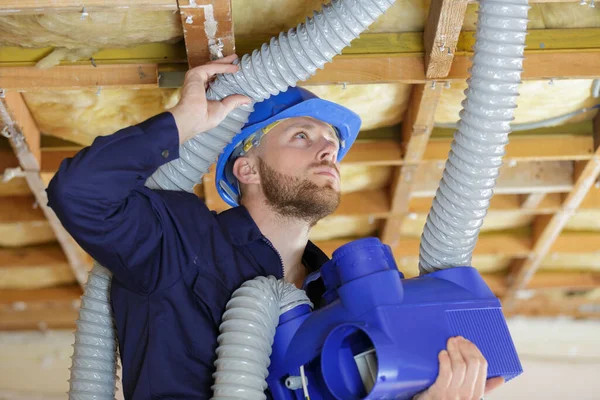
(297, 198)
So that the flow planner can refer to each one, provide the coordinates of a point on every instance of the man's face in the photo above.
(298, 169)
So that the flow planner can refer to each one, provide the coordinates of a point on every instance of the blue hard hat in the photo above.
(295, 102)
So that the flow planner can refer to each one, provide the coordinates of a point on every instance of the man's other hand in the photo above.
(194, 113)
(462, 374)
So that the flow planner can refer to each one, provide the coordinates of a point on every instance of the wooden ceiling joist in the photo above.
(39, 309)
(14, 7)
(389, 152)
(34, 267)
(24, 137)
(440, 38)
(416, 129)
(494, 244)
(23, 223)
(548, 227)
(373, 58)
(206, 24)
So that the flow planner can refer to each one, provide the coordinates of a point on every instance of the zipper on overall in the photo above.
(267, 241)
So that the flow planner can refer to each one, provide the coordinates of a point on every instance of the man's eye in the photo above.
(301, 135)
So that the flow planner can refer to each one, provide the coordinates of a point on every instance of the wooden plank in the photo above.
(548, 228)
(206, 23)
(544, 305)
(416, 129)
(442, 29)
(369, 203)
(356, 69)
(78, 260)
(565, 280)
(23, 131)
(51, 308)
(489, 244)
(34, 267)
(532, 200)
(546, 65)
(576, 242)
(211, 196)
(525, 177)
(130, 76)
(528, 148)
(22, 222)
(15, 7)
(389, 152)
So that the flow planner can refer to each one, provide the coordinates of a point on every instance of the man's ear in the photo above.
(246, 170)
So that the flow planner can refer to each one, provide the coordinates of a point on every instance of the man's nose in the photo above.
(328, 151)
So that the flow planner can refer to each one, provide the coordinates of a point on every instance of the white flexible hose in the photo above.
(463, 197)
(292, 56)
(247, 333)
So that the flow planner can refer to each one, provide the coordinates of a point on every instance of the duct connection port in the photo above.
(349, 363)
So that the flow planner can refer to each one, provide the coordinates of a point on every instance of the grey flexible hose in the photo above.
(94, 361)
(538, 124)
(463, 197)
(287, 59)
(247, 333)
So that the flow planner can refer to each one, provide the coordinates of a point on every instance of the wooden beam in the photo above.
(442, 30)
(389, 152)
(51, 308)
(34, 267)
(548, 228)
(537, 66)
(545, 305)
(23, 131)
(129, 76)
(357, 69)
(78, 260)
(532, 200)
(15, 7)
(198, 19)
(511, 244)
(22, 222)
(525, 177)
(416, 129)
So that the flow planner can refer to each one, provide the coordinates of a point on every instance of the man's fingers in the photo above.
(459, 366)
(475, 375)
(225, 60)
(217, 68)
(233, 101)
(493, 383)
(445, 374)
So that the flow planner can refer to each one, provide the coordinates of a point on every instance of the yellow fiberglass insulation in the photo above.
(379, 105)
(75, 37)
(97, 30)
(537, 101)
(82, 115)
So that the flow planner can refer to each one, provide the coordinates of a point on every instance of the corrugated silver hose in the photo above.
(94, 360)
(289, 58)
(463, 197)
(247, 334)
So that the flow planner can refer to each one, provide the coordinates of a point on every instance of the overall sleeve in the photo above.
(100, 198)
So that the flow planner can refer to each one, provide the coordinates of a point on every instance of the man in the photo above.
(175, 264)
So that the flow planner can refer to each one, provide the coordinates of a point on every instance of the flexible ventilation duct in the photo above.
(291, 57)
(247, 334)
(463, 197)
(287, 59)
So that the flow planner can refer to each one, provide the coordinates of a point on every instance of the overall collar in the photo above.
(242, 230)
